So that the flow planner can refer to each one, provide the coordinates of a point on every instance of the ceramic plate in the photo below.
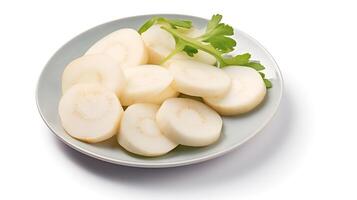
(236, 130)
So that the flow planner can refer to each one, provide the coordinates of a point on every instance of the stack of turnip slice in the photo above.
(122, 69)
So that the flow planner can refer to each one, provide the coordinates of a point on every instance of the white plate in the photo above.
(236, 130)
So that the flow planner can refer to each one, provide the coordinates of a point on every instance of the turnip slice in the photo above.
(144, 83)
(97, 68)
(189, 122)
(247, 91)
(198, 79)
(140, 134)
(90, 113)
(124, 45)
(169, 92)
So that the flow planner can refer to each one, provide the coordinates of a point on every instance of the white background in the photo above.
(308, 151)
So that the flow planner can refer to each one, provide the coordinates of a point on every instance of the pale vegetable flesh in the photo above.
(140, 134)
(96, 68)
(189, 122)
(198, 79)
(125, 46)
(90, 113)
(247, 92)
(145, 83)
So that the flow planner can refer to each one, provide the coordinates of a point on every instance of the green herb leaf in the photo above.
(191, 51)
(147, 25)
(215, 40)
(262, 74)
(213, 23)
(268, 83)
(242, 59)
(217, 34)
(221, 43)
(174, 23)
(179, 23)
(255, 65)
(220, 29)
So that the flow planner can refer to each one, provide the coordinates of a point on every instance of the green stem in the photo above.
(196, 44)
(174, 52)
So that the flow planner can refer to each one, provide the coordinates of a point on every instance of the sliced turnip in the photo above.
(97, 68)
(199, 79)
(189, 122)
(90, 112)
(145, 84)
(124, 45)
(140, 134)
(247, 91)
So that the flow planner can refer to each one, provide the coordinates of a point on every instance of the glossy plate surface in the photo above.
(236, 130)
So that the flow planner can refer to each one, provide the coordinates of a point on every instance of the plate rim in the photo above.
(142, 164)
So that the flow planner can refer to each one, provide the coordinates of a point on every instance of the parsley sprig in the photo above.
(216, 40)
(174, 23)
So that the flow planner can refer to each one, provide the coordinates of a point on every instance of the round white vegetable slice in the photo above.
(169, 92)
(124, 45)
(160, 44)
(246, 92)
(189, 122)
(90, 112)
(198, 79)
(144, 82)
(96, 68)
(140, 134)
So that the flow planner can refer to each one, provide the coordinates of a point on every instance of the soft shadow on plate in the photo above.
(241, 162)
